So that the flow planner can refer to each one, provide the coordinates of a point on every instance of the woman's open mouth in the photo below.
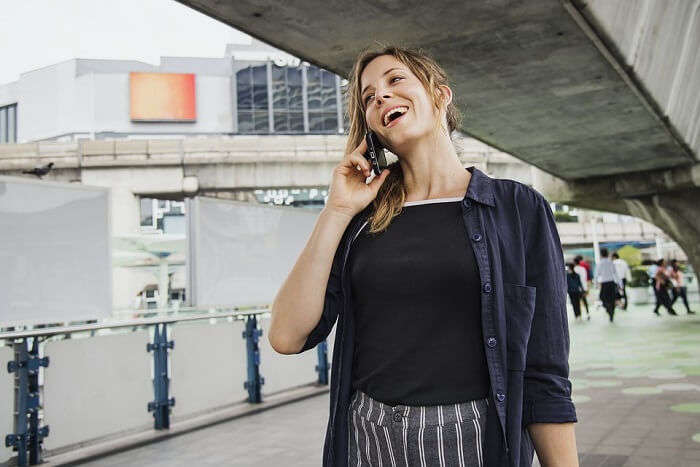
(396, 120)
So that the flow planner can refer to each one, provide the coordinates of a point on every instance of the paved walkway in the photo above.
(636, 388)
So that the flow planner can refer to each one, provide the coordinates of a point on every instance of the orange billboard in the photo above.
(159, 97)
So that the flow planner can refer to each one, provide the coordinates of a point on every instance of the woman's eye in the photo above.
(391, 81)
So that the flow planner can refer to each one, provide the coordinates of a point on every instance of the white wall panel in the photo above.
(284, 371)
(240, 253)
(96, 386)
(208, 366)
(54, 251)
(7, 401)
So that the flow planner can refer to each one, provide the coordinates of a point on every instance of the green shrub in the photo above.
(632, 255)
(640, 278)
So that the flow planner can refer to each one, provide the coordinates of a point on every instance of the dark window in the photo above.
(321, 92)
(260, 87)
(313, 88)
(244, 90)
(8, 124)
(287, 102)
(296, 98)
(251, 90)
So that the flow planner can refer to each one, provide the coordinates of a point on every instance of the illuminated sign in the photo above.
(162, 97)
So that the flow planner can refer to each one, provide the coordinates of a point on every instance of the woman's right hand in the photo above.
(349, 193)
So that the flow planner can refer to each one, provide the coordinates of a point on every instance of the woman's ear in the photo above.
(445, 94)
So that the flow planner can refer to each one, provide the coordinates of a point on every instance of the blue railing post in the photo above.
(322, 367)
(161, 383)
(28, 436)
(255, 381)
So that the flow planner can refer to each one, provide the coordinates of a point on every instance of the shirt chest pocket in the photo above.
(519, 303)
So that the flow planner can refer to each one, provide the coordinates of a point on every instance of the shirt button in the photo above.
(476, 237)
(491, 342)
(397, 417)
(501, 397)
(487, 287)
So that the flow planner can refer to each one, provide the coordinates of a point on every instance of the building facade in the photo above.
(97, 99)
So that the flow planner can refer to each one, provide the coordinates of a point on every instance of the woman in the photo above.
(679, 287)
(662, 283)
(448, 288)
(575, 289)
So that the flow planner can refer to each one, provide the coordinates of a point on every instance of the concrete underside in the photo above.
(532, 78)
(543, 80)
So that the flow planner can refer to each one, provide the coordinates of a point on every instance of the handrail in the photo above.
(52, 331)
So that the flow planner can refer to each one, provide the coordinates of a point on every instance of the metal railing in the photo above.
(28, 435)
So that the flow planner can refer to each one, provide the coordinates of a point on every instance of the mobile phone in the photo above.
(375, 153)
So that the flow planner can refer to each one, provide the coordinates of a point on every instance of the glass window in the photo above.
(328, 98)
(146, 212)
(244, 90)
(294, 90)
(245, 121)
(260, 87)
(281, 121)
(3, 124)
(313, 88)
(279, 88)
(262, 125)
(296, 122)
(330, 122)
(315, 122)
(12, 124)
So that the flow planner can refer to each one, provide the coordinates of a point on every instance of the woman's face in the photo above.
(387, 83)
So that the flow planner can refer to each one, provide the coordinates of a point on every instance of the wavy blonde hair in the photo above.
(392, 194)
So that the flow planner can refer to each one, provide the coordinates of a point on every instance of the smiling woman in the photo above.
(383, 81)
(452, 338)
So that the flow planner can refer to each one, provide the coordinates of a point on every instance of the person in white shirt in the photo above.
(609, 281)
(623, 272)
(583, 275)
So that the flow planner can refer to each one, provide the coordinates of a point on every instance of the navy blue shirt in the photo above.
(512, 232)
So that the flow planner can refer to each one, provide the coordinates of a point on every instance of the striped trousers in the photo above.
(438, 435)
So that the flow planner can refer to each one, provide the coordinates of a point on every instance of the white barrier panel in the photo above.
(54, 252)
(208, 366)
(284, 371)
(240, 253)
(97, 386)
(7, 401)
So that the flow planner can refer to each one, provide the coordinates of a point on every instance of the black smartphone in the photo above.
(375, 153)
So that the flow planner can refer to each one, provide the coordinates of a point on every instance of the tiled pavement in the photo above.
(636, 388)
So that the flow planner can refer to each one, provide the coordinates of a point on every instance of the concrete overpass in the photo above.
(230, 167)
(603, 96)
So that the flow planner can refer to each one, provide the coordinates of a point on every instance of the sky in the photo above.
(37, 33)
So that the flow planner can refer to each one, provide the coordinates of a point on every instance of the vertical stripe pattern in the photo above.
(444, 435)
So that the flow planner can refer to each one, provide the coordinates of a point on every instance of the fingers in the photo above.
(354, 160)
(378, 180)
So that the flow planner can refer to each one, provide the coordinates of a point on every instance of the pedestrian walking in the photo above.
(575, 290)
(609, 282)
(679, 288)
(662, 284)
(583, 274)
(623, 272)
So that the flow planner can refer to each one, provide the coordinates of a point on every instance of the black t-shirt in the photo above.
(417, 306)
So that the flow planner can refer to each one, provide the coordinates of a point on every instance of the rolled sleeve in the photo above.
(547, 388)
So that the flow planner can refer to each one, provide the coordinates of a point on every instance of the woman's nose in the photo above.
(382, 96)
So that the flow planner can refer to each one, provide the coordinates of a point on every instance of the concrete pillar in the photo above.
(677, 214)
